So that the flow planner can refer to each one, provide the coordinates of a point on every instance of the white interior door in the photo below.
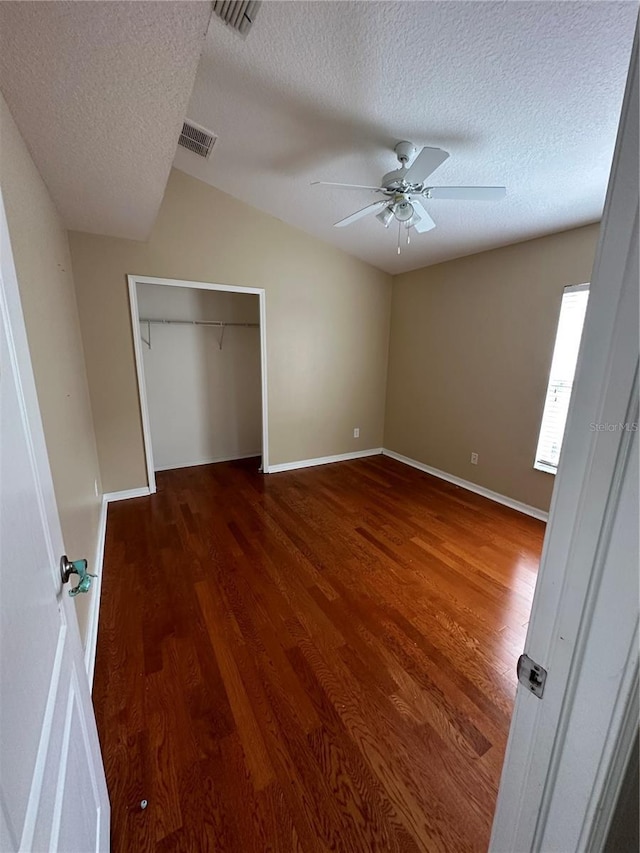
(53, 794)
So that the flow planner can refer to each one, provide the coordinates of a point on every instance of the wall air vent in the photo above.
(237, 14)
(197, 139)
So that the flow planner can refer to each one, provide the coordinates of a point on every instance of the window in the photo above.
(563, 368)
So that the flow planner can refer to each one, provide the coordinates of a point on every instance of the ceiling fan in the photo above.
(404, 188)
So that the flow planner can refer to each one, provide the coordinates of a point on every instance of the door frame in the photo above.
(566, 757)
(133, 281)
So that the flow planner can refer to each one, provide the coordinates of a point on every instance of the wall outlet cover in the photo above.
(356, 432)
(474, 458)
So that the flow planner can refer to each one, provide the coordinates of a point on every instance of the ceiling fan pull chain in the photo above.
(398, 236)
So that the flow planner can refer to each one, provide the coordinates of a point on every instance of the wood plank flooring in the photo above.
(318, 660)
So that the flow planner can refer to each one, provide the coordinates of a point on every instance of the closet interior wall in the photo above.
(203, 382)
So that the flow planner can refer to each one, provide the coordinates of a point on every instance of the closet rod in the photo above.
(198, 322)
(219, 324)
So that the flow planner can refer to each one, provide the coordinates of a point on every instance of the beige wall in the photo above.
(43, 266)
(470, 352)
(327, 325)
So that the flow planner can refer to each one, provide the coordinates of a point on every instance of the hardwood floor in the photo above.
(318, 660)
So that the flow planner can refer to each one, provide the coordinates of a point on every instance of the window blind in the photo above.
(563, 368)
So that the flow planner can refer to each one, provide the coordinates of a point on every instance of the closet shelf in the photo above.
(220, 324)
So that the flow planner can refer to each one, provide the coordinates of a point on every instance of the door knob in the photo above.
(75, 567)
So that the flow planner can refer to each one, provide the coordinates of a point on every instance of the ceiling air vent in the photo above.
(197, 139)
(238, 14)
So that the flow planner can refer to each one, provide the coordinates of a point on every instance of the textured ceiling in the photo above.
(99, 92)
(522, 94)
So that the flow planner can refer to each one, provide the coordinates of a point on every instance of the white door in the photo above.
(53, 794)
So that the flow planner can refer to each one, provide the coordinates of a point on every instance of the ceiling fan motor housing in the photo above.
(405, 151)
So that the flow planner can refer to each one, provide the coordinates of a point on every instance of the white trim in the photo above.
(575, 288)
(543, 466)
(91, 641)
(142, 391)
(33, 803)
(263, 377)
(63, 762)
(533, 511)
(125, 495)
(622, 755)
(212, 460)
(86, 738)
(196, 285)
(132, 281)
(323, 460)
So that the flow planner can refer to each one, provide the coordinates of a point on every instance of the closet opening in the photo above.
(200, 353)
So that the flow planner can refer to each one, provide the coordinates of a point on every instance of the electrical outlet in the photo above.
(474, 458)
(356, 432)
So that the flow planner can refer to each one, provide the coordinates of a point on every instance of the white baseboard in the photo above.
(211, 461)
(142, 492)
(91, 641)
(533, 511)
(322, 460)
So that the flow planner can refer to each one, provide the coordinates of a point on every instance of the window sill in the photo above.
(542, 466)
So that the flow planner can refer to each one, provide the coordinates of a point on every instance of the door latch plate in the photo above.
(531, 675)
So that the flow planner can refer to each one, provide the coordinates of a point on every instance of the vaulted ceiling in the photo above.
(99, 91)
(521, 94)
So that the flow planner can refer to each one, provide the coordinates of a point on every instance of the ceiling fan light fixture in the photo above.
(403, 211)
(385, 216)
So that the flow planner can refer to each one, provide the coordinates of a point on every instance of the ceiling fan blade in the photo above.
(425, 223)
(467, 193)
(425, 163)
(345, 186)
(371, 208)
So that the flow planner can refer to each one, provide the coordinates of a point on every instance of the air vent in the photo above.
(237, 14)
(197, 139)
